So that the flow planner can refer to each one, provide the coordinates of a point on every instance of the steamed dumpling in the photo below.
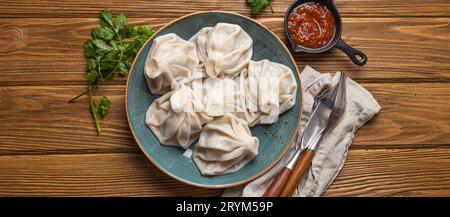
(227, 95)
(248, 100)
(264, 77)
(225, 49)
(200, 40)
(170, 61)
(176, 118)
(221, 96)
(225, 146)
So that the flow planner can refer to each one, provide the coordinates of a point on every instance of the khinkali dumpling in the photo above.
(276, 88)
(227, 48)
(200, 40)
(221, 96)
(171, 60)
(225, 146)
(227, 95)
(176, 118)
(248, 100)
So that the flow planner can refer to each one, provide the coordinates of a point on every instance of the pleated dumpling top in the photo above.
(225, 146)
(170, 61)
(225, 49)
(177, 117)
(273, 86)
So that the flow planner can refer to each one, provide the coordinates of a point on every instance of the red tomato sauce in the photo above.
(311, 25)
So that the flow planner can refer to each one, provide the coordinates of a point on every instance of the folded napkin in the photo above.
(332, 151)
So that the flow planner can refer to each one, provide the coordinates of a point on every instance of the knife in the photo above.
(326, 114)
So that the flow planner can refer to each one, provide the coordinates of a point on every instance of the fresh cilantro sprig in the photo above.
(256, 6)
(110, 50)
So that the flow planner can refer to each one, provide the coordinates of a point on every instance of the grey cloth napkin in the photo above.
(332, 150)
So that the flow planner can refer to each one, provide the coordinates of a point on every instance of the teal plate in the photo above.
(274, 139)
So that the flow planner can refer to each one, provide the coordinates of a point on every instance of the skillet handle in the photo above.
(357, 56)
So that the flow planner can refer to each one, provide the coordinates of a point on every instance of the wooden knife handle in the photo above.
(278, 183)
(297, 173)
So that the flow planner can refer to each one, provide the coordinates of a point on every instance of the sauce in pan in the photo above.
(311, 25)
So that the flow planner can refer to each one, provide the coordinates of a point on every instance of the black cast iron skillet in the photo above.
(357, 57)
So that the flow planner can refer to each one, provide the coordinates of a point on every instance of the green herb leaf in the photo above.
(104, 106)
(111, 56)
(92, 63)
(122, 69)
(103, 33)
(120, 22)
(92, 76)
(256, 6)
(144, 31)
(128, 63)
(131, 32)
(106, 65)
(101, 45)
(134, 47)
(89, 49)
(106, 18)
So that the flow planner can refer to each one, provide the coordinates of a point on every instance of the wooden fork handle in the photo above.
(297, 173)
(278, 183)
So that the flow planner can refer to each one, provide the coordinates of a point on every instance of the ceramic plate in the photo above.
(274, 139)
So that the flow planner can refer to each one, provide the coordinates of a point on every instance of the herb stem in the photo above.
(93, 108)
(78, 96)
(109, 75)
(94, 88)
(99, 69)
(270, 6)
(120, 59)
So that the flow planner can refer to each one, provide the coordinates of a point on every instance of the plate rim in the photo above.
(291, 141)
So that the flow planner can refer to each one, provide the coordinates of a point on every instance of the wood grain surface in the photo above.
(57, 45)
(41, 121)
(374, 172)
(49, 147)
(175, 8)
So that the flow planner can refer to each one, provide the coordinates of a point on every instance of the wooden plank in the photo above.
(37, 119)
(47, 51)
(89, 175)
(50, 51)
(412, 114)
(394, 172)
(176, 8)
(383, 172)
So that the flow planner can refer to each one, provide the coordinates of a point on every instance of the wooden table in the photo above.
(49, 147)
